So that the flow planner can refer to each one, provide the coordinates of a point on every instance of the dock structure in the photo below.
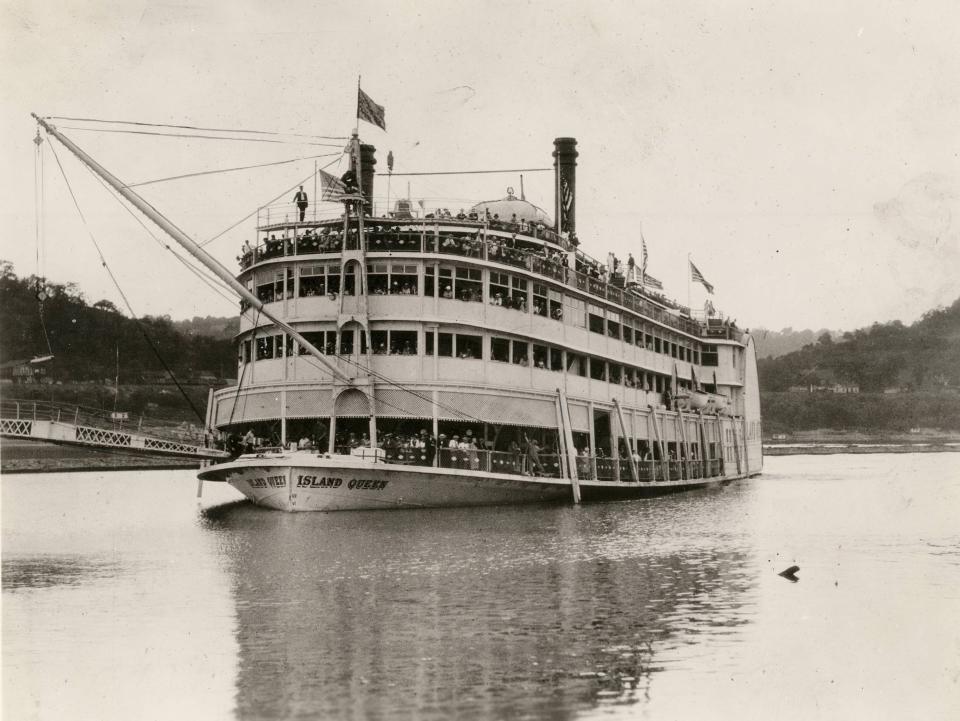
(74, 426)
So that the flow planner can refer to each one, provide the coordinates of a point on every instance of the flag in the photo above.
(333, 187)
(696, 275)
(643, 253)
(369, 110)
(652, 282)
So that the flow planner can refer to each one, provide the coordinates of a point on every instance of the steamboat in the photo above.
(416, 358)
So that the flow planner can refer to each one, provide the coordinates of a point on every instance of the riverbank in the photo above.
(826, 441)
(21, 456)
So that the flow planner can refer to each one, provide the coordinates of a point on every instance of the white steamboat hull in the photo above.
(308, 482)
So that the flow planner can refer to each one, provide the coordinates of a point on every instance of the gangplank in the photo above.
(55, 424)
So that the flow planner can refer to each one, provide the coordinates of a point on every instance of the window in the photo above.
(540, 306)
(428, 342)
(575, 311)
(266, 347)
(656, 344)
(323, 341)
(520, 353)
(350, 280)
(598, 369)
(244, 355)
(615, 373)
(403, 279)
(378, 280)
(499, 288)
(540, 356)
(446, 283)
(500, 350)
(576, 364)
(379, 340)
(556, 359)
(403, 342)
(469, 346)
(468, 286)
(346, 342)
(290, 284)
(710, 356)
(595, 318)
(556, 305)
(430, 281)
(445, 345)
(613, 324)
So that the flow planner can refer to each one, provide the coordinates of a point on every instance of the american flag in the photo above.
(643, 253)
(333, 188)
(696, 275)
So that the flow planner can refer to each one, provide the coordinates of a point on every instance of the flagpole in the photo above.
(358, 103)
(688, 283)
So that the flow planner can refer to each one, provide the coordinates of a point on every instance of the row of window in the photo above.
(504, 289)
(458, 345)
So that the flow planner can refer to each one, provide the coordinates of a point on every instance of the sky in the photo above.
(804, 157)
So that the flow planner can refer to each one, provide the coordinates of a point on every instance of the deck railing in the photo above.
(547, 465)
(494, 249)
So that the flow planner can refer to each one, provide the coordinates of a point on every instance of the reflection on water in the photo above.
(45, 571)
(481, 612)
(125, 599)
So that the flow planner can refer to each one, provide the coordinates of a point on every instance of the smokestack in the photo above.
(565, 174)
(367, 163)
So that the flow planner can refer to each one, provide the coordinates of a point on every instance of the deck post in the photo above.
(664, 463)
(566, 439)
(685, 465)
(633, 463)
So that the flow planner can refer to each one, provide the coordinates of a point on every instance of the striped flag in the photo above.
(369, 110)
(696, 275)
(333, 187)
(650, 281)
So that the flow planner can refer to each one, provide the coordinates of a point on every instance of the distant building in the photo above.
(33, 370)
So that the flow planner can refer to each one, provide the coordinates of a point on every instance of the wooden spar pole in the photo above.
(566, 440)
(190, 246)
(623, 427)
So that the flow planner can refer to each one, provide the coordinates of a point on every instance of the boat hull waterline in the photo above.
(308, 482)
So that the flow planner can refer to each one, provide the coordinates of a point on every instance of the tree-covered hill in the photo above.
(884, 357)
(87, 340)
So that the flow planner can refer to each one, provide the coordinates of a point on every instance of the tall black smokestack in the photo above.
(565, 175)
(367, 163)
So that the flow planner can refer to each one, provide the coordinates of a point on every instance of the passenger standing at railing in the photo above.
(301, 200)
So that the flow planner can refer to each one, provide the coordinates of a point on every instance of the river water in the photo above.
(126, 598)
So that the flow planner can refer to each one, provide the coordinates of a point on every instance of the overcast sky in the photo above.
(806, 158)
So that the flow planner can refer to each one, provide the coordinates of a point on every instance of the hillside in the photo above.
(888, 377)
(88, 342)
(775, 343)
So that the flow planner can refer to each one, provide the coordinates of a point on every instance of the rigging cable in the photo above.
(39, 203)
(272, 200)
(197, 136)
(194, 127)
(474, 172)
(229, 170)
(123, 295)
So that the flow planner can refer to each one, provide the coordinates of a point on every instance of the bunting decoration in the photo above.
(566, 202)
(696, 275)
(369, 110)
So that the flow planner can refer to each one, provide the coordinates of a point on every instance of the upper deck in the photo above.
(531, 247)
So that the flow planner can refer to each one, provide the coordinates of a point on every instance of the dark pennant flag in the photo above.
(369, 110)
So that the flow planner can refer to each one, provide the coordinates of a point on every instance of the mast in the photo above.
(191, 247)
